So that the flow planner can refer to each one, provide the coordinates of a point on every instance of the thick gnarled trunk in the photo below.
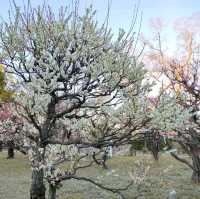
(37, 185)
(196, 167)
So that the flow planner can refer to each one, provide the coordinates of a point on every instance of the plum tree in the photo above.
(66, 67)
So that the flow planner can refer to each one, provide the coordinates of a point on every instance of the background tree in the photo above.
(181, 73)
(11, 130)
(5, 93)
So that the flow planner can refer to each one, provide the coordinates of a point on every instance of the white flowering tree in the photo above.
(163, 115)
(67, 68)
(92, 137)
(110, 127)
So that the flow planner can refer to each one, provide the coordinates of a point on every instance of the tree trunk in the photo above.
(11, 152)
(37, 185)
(155, 154)
(196, 165)
(1, 145)
(132, 151)
(52, 192)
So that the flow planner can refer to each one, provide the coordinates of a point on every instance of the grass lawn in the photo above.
(164, 176)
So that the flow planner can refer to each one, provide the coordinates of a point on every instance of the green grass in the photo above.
(163, 176)
(14, 177)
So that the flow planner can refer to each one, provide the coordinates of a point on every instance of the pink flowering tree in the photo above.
(11, 130)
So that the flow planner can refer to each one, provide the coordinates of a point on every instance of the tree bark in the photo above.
(11, 152)
(196, 167)
(1, 145)
(155, 154)
(37, 185)
(52, 192)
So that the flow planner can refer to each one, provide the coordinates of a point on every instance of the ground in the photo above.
(164, 176)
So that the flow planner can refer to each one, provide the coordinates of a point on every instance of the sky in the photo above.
(122, 10)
